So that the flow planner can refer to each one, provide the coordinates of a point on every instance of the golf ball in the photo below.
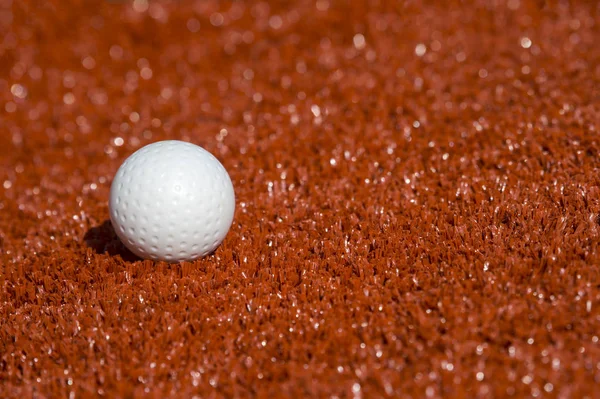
(172, 201)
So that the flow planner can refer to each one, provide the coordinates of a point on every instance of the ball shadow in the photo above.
(103, 240)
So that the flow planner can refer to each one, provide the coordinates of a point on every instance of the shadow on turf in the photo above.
(103, 240)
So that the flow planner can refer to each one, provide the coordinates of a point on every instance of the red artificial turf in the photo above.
(417, 189)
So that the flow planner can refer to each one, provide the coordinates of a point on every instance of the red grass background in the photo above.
(417, 198)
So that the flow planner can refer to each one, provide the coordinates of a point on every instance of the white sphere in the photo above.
(171, 201)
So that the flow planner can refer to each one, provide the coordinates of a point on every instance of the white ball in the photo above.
(171, 201)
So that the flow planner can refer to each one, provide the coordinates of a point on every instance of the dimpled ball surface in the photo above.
(172, 201)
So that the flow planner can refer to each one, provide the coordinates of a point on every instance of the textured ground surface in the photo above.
(418, 198)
